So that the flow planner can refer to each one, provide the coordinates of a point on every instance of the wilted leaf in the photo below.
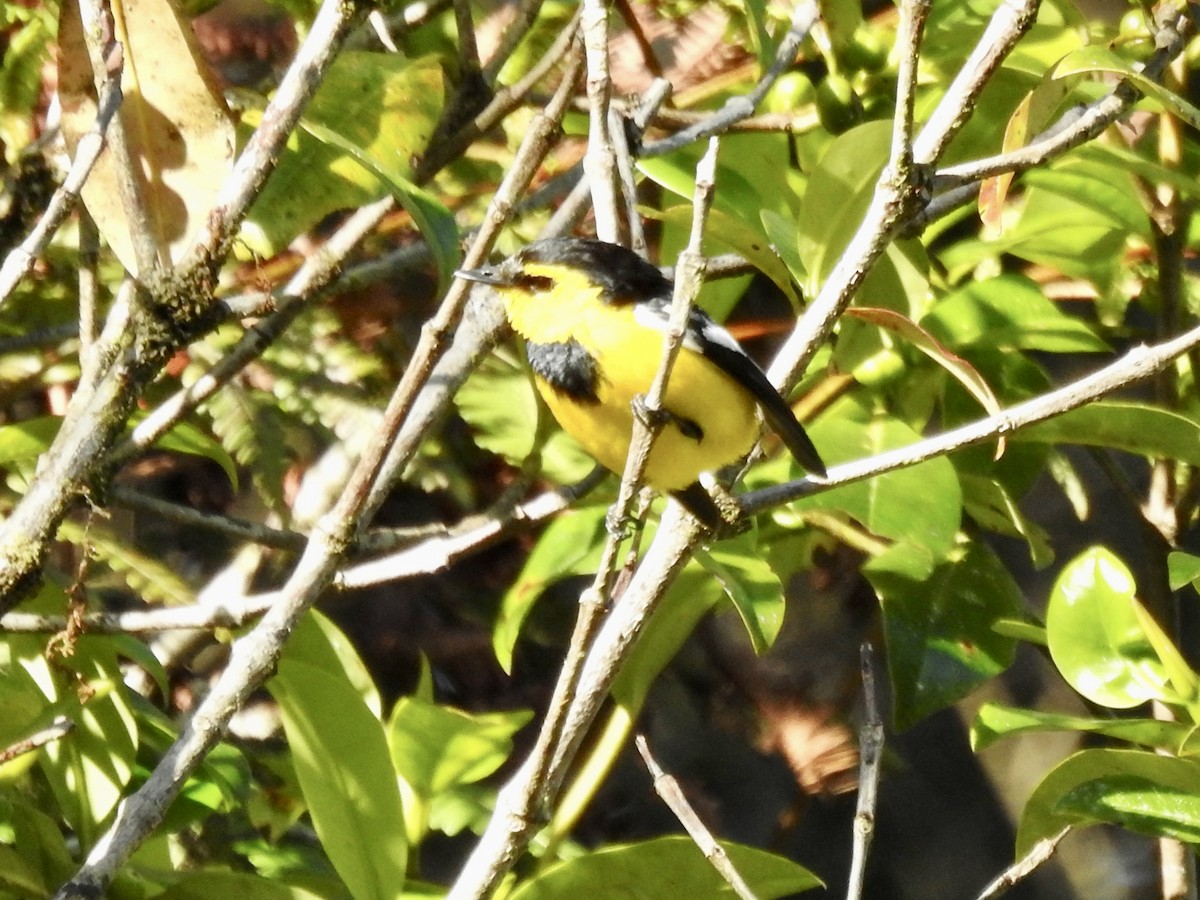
(180, 135)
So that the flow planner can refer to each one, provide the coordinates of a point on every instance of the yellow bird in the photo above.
(593, 316)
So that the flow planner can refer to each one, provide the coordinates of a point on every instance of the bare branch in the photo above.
(1042, 851)
(870, 762)
(599, 164)
(737, 109)
(1138, 363)
(60, 727)
(672, 794)
(21, 258)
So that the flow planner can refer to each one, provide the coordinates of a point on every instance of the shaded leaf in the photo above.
(569, 546)
(749, 582)
(939, 627)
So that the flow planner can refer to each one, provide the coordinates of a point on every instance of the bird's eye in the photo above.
(536, 283)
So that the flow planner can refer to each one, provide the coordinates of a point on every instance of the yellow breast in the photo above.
(628, 355)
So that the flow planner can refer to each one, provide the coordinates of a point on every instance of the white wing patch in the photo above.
(701, 329)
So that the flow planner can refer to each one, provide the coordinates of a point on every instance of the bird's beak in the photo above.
(485, 275)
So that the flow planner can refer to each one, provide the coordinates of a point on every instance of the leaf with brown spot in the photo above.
(179, 131)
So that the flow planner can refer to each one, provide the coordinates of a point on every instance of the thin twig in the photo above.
(1077, 125)
(671, 793)
(1008, 24)
(736, 109)
(1039, 853)
(21, 258)
(1135, 365)
(599, 163)
(89, 282)
(312, 281)
(870, 744)
(239, 529)
(428, 557)
(59, 728)
(435, 333)
(577, 693)
(503, 102)
(333, 21)
(522, 21)
(895, 199)
(107, 56)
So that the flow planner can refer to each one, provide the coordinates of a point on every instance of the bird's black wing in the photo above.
(715, 343)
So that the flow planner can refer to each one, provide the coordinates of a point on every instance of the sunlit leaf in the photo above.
(994, 722)
(1100, 59)
(1132, 427)
(342, 760)
(178, 130)
(436, 747)
(1142, 791)
(665, 867)
(1095, 637)
(1008, 312)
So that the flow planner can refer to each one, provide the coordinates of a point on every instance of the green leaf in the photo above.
(1182, 568)
(372, 116)
(17, 878)
(1095, 637)
(687, 601)
(837, 197)
(921, 505)
(570, 545)
(1140, 791)
(739, 237)
(994, 722)
(498, 401)
(149, 577)
(966, 374)
(317, 642)
(187, 438)
(1087, 60)
(25, 441)
(1008, 312)
(90, 768)
(749, 582)
(1105, 189)
(40, 842)
(939, 627)
(206, 885)
(346, 774)
(665, 867)
(991, 504)
(437, 747)
(1134, 428)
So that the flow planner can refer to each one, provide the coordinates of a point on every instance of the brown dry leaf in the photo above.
(177, 125)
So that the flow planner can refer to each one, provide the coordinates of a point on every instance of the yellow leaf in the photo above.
(179, 132)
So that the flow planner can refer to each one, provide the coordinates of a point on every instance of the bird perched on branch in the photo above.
(593, 316)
